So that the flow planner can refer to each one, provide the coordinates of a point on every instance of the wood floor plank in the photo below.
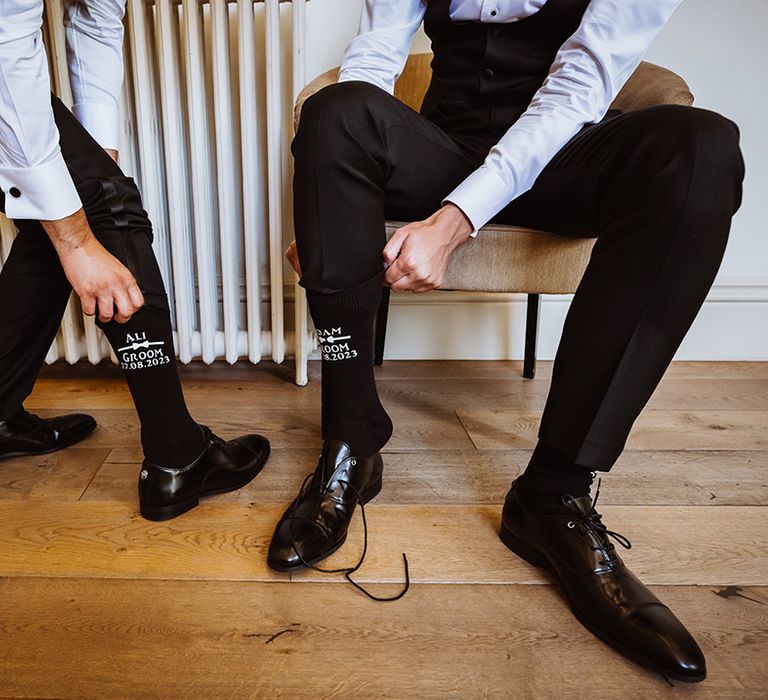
(721, 545)
(674, 393)
(510, 392)
(286, 428)
(654, 429)
(100, 393)
(453, 544)
(483, 476)
(160, 639)
(61, 475)
(113, 541)
(504, 369)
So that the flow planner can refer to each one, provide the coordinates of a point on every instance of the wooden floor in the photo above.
(96, 602)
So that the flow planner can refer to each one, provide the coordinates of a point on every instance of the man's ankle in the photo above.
(364, 437)
(549, 476)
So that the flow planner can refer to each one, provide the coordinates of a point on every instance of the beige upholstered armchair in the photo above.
(510, 258)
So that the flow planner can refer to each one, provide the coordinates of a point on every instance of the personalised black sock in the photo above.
(352, 411)
(144, 349)
(548, 476)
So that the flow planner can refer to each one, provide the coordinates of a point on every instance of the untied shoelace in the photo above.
(348, 571)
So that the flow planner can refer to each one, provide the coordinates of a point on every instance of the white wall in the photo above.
(719, 49)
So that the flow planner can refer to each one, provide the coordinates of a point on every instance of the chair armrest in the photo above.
(651, 85)
(321, 81)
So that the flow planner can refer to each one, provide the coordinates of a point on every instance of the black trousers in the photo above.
(34, 292)
(656, 187)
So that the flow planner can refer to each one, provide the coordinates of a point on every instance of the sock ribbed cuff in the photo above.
(348, 302)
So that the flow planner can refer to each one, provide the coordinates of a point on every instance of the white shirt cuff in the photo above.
(102, 121)
(480, 196)
(45, 192)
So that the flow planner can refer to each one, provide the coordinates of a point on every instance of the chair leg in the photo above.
(531, 333)
(380, 334)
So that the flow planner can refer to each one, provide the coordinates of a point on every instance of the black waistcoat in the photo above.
(484, 75)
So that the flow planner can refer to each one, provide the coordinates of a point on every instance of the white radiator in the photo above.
(207, 109)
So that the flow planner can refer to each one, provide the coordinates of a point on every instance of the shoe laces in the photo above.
(324, 490)
(592, 523)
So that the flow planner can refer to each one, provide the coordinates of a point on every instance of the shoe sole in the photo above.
(368, 495)
(63, 446)
(532, 556)
(174, 510)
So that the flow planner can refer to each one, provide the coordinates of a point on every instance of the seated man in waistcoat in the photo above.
(515, 128)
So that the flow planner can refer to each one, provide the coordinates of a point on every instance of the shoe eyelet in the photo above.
(571, 525)
(353, 462)
(144, 474)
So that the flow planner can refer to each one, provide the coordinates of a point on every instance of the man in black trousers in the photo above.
(514, 128)
(82, 226)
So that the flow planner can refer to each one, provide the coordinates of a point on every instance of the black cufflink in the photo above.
(15, 192)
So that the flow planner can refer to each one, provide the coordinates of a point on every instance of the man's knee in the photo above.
(680, 138)
(683, 154)
(351, 109)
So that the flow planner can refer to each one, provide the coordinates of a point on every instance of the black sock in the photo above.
(548, 476)
(352, 411)
(144, 349)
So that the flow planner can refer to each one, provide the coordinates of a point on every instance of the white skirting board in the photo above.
(732, 325)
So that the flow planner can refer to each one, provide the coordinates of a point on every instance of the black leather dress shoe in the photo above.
(223, 466)
(315, 524)
(28, 434)
(605, 596)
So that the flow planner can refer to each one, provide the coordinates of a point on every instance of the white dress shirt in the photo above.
(33, 175)
(587, 73)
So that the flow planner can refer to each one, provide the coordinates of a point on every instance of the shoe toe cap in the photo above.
(256, 445)
(73, 425)
(282, 555)
(291, 536)
(660, 637)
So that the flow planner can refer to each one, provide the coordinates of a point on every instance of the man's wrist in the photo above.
(457, 223)
(70, 234)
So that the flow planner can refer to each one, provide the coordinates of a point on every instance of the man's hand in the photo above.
(98, 278)
(418, 254)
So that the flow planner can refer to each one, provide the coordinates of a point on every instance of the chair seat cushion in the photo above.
(514, 259)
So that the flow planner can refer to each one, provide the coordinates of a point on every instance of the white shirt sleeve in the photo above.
(379, 51)
(588, 72)
(94, 31)
(33, 176)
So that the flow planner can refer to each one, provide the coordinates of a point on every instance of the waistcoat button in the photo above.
(488, 73)
(496, 32)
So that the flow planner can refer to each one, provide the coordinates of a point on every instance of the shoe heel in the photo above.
(159, 513)
(371, 492)
(522, 550)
